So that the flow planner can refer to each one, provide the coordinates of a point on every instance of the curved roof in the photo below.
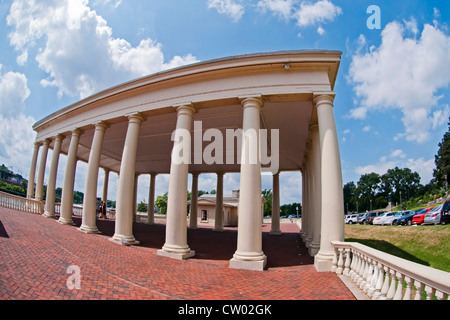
(285, 80)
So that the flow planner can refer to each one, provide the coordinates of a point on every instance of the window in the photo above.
(204, 215)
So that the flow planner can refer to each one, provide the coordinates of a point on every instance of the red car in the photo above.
(420, 216)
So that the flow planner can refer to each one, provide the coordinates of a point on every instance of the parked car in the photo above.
(434, 215)
(393, 218)
(382, 217)
(445, 214)
(360, 217)
(405, 219)
(419, 217)
(370, 216)
(351, 218)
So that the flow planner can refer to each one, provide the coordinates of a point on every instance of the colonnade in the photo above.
(322, 215)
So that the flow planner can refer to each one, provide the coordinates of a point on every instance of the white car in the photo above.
(389, 220)
(433, 216)
(383, 217)
(351, 218)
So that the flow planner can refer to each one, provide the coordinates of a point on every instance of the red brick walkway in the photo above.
(35, 253)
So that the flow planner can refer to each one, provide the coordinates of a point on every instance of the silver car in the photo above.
(434, 215)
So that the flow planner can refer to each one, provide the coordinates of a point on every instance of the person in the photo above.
(104, 209)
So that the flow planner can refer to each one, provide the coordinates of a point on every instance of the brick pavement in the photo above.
(35, 253)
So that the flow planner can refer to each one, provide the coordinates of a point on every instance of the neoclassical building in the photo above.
(281, 103)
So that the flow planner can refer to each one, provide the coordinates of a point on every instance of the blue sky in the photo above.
(392, 102)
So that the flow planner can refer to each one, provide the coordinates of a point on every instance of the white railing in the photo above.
(386, 277)
(20, 203)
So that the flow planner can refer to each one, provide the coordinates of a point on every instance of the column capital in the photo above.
(77, 132)
(187, 108)
(249, 101)
(320, 97)
(101, 125)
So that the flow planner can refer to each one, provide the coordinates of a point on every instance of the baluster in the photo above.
(379, 284)
(407, 295)
(399, 292)
(355, 269)
(361, 269)
(340, 263)
(347, 261)
(334, 262)
(369, 275)
(419, 287)
(440, 295)
(391, 291)
(363, 281)
(430, 292)
(373, 281)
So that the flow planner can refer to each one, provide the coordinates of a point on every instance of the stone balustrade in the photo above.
(386, 277)
(20, 203)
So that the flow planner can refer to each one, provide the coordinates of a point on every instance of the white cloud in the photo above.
(313, 13)
(404, 73)
(13, 93)
(231, 8)
(367, 128)
(281, 8)
(76, 47)
(320, 30)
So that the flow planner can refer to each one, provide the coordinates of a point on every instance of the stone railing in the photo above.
(20, 203)
(76, 210)
(386, 277)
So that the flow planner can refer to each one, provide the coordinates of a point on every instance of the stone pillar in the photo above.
(135, 193)
(218, 219)
(41, 172)
(332, 204)
(30, 188)
(151, 200)
(69, 180)
(51, 186)
(194, 201)
(125, 189)
(89, 220)
(275, 228)
(316, 191)
(249, 254)
(105, 186)
(176, 226)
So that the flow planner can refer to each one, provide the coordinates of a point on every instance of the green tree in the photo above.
(349, 196)
(161, 203)
(267, 193)
(141, 207)
(442, 160)
(401, 184)
(367, 190)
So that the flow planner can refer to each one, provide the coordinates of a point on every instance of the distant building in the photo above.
(206, 209)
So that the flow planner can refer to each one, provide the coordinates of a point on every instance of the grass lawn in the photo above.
(428, 245)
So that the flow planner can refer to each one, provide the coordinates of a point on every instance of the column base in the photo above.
(49, 215)
(255, 261)
(275, 232)
(323, 262)
(125, 241)
(218, 229)
(65, 221)
(88, 230)
(313, 249)
(174, 252)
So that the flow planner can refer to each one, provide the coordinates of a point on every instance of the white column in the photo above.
(316, 191)
(176, 245)
(275, 227)
(30, 188)
(151, 200)
(51, 187)
(69, 180)
(218, 219)
(41, 172)
(249, 254)
(332, 204)
(135, 193)
(194, 201)
(125, 189)
(89, 220)
(105, 186)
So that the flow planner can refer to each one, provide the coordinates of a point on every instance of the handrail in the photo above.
(383, 276)
(20, 203)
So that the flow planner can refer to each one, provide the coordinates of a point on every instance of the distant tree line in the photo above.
(400, 186)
